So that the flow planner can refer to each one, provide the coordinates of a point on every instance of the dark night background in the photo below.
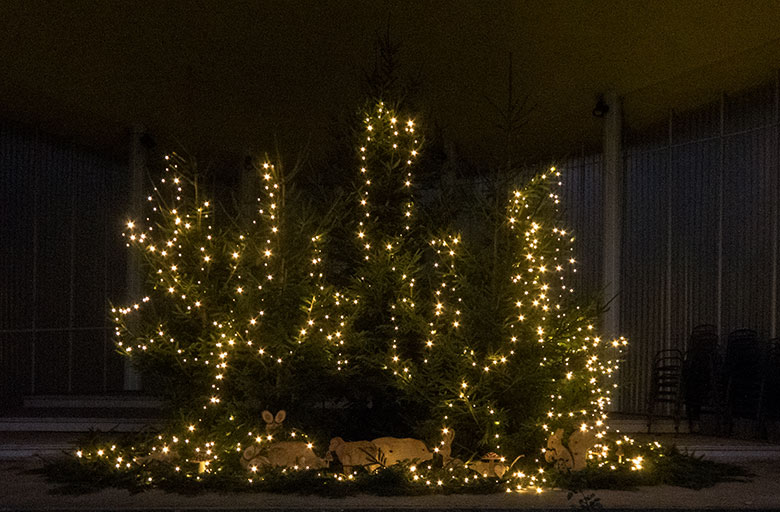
(244, 77)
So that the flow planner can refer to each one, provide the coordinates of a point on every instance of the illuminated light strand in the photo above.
(538, 283)
(386, 136)
(538, 286)
(228, 337)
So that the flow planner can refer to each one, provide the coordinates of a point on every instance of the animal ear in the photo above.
(280, 416)
(268, 417)
(449, 436)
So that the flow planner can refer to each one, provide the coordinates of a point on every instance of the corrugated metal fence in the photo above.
(583, 210)
(61, 260)
(700, 230)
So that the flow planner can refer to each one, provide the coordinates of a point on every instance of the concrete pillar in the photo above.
(613, 212)
(137, 172)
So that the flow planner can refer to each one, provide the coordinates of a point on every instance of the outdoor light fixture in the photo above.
(601, 108)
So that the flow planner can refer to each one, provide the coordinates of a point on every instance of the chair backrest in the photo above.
(669, 360)
(774, 351)
(702, 359)
(703, 342)
(744, 353)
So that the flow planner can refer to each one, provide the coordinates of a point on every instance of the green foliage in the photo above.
(225, 323)
(473, 331)
(669, 467)
(588, 501)
(662, 466)
(362, 323)
(691, 471)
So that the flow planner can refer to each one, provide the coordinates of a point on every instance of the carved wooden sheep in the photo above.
(355, 453)
(396, 450)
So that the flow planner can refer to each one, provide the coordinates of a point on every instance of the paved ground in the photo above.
(22, 491)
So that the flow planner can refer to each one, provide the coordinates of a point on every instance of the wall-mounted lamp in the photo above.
(601, 108)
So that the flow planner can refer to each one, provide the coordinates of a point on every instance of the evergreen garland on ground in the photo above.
(668, 466)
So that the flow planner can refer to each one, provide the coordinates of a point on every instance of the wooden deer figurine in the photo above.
(255, 455)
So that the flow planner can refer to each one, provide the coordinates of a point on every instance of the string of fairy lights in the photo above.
(182, 230)
(542, 298)
(184, 254)
(386, 136)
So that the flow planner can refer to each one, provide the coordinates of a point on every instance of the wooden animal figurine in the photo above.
(580, 443)
(354, 454)
(489, 465)
(273, 423)
(397, 450)
(557, 452)
(288, 454)
(575, 456)
(285, 454)
(445, 446)
(253, 457)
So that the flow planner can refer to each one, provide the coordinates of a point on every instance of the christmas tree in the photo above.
(446, 337)
(235, 317)
(399, 329)
(386, 317)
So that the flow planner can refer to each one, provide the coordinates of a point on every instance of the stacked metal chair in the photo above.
(744, 371)
(743, 383)
(666, 386)
(770, 406)
(701, 374)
